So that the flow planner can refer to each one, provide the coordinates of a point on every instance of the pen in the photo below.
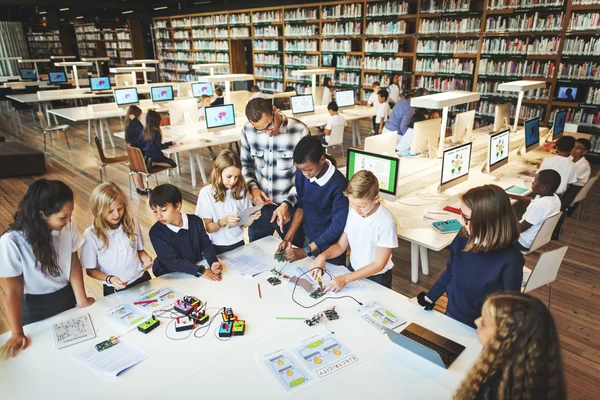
(291, 318)
(137, 303)
(259, 293)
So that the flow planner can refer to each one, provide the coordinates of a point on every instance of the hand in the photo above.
(86, 303)
(255, 216)
(282, 215)
(148, 262)
(336, 284)
(175, 143)
(230, 220)
(12, 347)
(117, 283)
(209, 274)
(216, 268)
(284, 246)
(258, 197)
(295, 254)
(317, 267)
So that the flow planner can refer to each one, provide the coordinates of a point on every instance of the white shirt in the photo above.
(564, 167)
(582, 171)
(539, 210)
(365, 235)
(326, 176)
(257, 95)
(383, 111)
(17, 258)
(119, 258)
(373, 99)
(326, 99)
(394, 92)
(207, 207)
(335, 120)
(186, 224)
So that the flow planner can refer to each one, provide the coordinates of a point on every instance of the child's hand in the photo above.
(258, 197)
(295, 254)
(209, 274)
(317, 267)
(216, 268)
(147, 260)
(12, 347)
(336, 284)
(86, 303)
(230, 220)
(255, 216)
(118, 283)
(283, 246)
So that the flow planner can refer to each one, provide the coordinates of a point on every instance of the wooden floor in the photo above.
(575, 299)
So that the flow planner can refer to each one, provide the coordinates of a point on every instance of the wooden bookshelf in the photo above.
(113, 43)
(44, 44)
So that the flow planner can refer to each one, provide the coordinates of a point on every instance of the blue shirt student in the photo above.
(400, 117)
(134, 133)
(154, 148)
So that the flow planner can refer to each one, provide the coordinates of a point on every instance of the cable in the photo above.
(322, 300)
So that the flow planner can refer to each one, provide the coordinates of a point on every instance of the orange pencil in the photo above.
(259, 293)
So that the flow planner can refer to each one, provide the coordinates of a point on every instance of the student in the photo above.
(220, 100)
(327, 91)
(433, 114)
(152, 144)
(205, 101)
(113, 251)
(543, 206)
(38, 258)
(582, 172)
(373, 101)
(394, 89)
(402, 114)
(561, 163)
(370, 234)
(335, 119)
(404, 142)
(255, 90)
(179, 239)
(221, 202)
(484, 257)
(322, 207)
(521, 357)
(383, 110)
(134, 136)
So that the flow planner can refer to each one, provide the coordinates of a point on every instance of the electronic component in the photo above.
(239, 328)
(303, 283)
(280, 257)
(312, 321)
(183, 324)
(148, 325)
(225, 329)
(317, 293)
(191, 300)
(107, 344)
(330, 315)
(199, 317)
(183, 308)
(274, 281)
(227, 314)
(275, 272)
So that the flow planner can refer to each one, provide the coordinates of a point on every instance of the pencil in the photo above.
(291, 318)
(259, 294)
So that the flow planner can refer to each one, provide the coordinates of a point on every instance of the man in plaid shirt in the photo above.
(268, 142)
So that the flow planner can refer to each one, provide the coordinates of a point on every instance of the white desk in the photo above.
(210, 368)
(313, 72)
(133, 70)
(521, 87)
(95, 60)
(227, 79)
(74, 65)
(210, 66)
(143, 63)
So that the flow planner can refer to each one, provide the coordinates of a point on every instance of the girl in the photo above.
(322, 208)
(394, 89)
(327, 91)
(152, 144)
(134, 136)
(521, 352)
(220, 203)
(484, 257)
(113, 251)
(38, 258)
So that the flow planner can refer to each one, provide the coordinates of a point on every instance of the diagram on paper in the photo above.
(166, 298)
(379, 167)
(127, 316)
(321, 352)
(73, 331)
(379, 316)
(285, 371)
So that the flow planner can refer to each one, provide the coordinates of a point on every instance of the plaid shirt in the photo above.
(267, 161)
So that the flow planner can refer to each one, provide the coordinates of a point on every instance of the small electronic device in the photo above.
(274, 281)
(219, 117)
(449, 226)
(57, 77)
(532, 134)
(183, 308)
(191, 300)
(28, 74)
(200, 88)
(226, 329)
(227, 314)
(107, 344)
(498, 149)
(501, 117)
(331, 314)
(344, 98)
(183, 324)
(426, 136)
(558, 127)
(385, 168)
(239, 328)
(127, 96)
(317, 293)
(452, 209)
(199, 316)
(463, 126)
(149, 325)
(280, 257)
(516, 190)
(302, 104)
(455, 166)
(328, 315)
(245, 215)
(100, 83)
(161, 93)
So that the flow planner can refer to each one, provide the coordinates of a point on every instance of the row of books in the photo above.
(342, 11)
(387, 9)
(342, 28)
(382, 46)
(504, 4)
(585, 117)
(261, 58)
(384, 80)
(243, 32)
(270, 86)
(445, 65)
(300, 14)
(347, 78)
(593, 96)
(524, 22)
(437, 6)
(301, 45)
(211, 45)
(488, 108)
(301, 30)
(384, 63)
(266, 16)
(386, 28)
(349, 61)
(272, 45)
(447, 46)
(300, 88)
(450, 25)
(585, 2)
(438, 84)
(268, 72)
(531, 46)
(582, 46)
(586, 70)
(336, 45)
(302, 60)
(584, 21)
(239, 19)
(516, 68)
(267, 30)
(490, 88)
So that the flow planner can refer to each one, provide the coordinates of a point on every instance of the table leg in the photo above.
(424, 260)
(200, 167)
(414, 262)
(112, 143)
(49, 107)
(192, 168)
(356, 126)
(178, 165)
(89, 131)
(102, 134)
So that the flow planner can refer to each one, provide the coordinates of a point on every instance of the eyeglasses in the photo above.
(579, 148)
(269, 127)
(467, 220)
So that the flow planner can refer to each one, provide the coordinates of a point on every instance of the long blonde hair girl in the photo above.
(101, 199)
(225, 159)
(522, 360)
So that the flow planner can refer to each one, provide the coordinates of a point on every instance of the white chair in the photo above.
(336, 138)
(545, 271)
(544, 235)
(49, 129)
(583, 194)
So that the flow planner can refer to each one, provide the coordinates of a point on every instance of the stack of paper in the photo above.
(114, 360)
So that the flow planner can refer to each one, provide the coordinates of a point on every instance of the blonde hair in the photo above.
(522, 360)
(101, 199)
(363, 185)
(493, 222)
(226, 159)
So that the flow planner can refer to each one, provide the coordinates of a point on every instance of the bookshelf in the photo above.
(44, 44)
(114, 43)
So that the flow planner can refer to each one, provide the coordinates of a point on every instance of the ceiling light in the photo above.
(42, 12)
(201, 2)
(79, 17)
(64, 9)
(62, 19)
(160, 8)
(127, 12)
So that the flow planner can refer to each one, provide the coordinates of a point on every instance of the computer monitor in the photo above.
(426, 136)
(501, 117)
(219, 117)
(126, 96)
(100, 83)
(384, 144)
(456, 163)
(463, 126)
(200, 88)
(568, 93)
(532, 134)
(161, 93)
(344, 98)
(302, 104)
(558, 127)
(57, 77)
(385, 168)
(28, 74)
(498, 149)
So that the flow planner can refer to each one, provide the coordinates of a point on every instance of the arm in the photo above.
(169, 257)
(206, 246)
(517, 197)
(382, 256)
(14, 299)
(512, 274)
(145, 259)
(292, 196)
(405, 120)
(524, 225)
(337, 249)
(381, 124)
(439, 287)
(248, 165)
(76, 280)
(327, 131)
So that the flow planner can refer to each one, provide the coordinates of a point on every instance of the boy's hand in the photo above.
(12, 347)
(317, 267)
(217, 268)
(283, 246)
(258, 197)
(295, 254)
(209, 274)
(336, 284)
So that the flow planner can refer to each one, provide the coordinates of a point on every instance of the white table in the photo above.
(74, 65)
(227, 79)
(214, 369)
(133, 70)
(35, 63)
(210, 66)
(63, 58)
(313, 72)
(143, 63)
(95, 61)
(521, 87)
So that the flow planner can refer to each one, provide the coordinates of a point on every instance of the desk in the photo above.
(210, 66)
(521, 87)
(74, 64)
(143, 64)
(227, 78)
(313, 72)
(210, 368)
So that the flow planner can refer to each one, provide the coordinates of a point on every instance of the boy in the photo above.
(561, 163)
(220, 100)
(179, 239)
(383, 110)
(370, 233)
(543, 206)
(335, 120)
(582, 171)
(373, 100)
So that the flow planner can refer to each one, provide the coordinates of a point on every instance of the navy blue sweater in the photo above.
(179, 252)
(154, 148)
(134, 133)
(325, 208)
(471, 277)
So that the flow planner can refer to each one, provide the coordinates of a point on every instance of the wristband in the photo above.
(108, 279)
(424, 303)
(221, 226)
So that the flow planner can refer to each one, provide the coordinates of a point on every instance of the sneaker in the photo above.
(143, 192)
(148, 163)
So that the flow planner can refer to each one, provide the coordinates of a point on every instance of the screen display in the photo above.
(344, 98)
(302, 104)
(219, 116)
(383, 167)
(126, 96)
(567, 93)
(499, 147)
(162, 93)
(456, 162)
(100, 83)
(57, 77)
(560, 119)
(532, 132)
(202, 88)
(28, 73)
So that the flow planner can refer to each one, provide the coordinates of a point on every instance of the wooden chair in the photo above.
(49, 129)
(336, 138)
(106, 160)
(545, 272)
(544, 235)
(137, 165)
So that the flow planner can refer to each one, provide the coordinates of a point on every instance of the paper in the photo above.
(245, 265)
(166, 298)
(127, 316)
(378, 316)
(73, 331)
(114, 360)
(335, 271)
(286, 370)
(410, 223)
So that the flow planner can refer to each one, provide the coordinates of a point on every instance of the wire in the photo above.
(322, 300)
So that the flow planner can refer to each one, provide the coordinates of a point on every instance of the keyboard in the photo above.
(447, 356)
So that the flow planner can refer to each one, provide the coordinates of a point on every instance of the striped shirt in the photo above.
(268, 162)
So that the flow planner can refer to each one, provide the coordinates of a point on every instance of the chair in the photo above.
(545, 271)
(48, 129)
(3, 93)
(336, 138)
(137, 165)
(582, 194)
(544, 235)
(106, 160)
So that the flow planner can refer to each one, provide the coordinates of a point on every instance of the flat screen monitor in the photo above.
(100, 83)
(344, 98)
(532, 134)
(200, 88)
(385, 168)
(558, 127)
(161, 93)
(501, 117)
(498, 149)
(57, 77)
(567, 93)
(384, 144)
(28, 74)
(127, 96)
(426, 136)
(456, 163)
(463, 126)
(219, 116)
(302, 104)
